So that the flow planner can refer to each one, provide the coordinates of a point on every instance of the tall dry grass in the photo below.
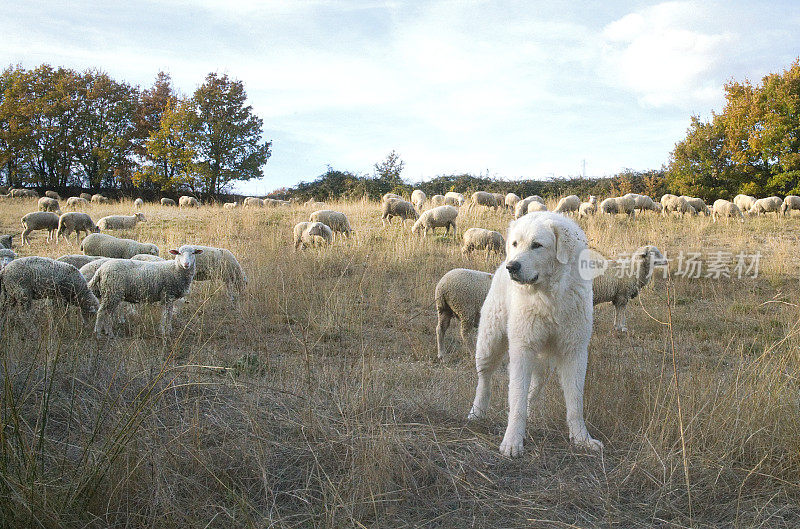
(317, 402)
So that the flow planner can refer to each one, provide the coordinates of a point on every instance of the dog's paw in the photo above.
(590, 444)
(475, 414)
(512, 448)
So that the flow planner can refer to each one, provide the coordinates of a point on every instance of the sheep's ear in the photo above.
(566, 242)
(174, 252)
(197, 251)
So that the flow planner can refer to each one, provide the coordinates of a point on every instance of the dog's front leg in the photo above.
(520, 367)
(572, 373)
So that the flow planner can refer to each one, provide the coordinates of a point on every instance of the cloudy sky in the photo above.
(515, 89)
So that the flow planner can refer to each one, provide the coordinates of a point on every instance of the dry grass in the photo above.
(318, 402)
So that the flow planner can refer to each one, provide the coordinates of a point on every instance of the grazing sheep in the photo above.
(143, 282)
(528, 205)
(460, 293)
(588, 208)
(89, 269)
(675, 204)
(482, 198)
(110, 246)
(789, 203)
(644, 202)
(49, 204)
(78, 260)
(27, 279)
(511, 200)
(441, 216)
(397, 208)
(138, 203)
(6, 256)
(230, 205)
(437, 200)
(388, 196)
(253, 202)
(744, 202)
(99, 199)
(335, 220)
(726, 208)
(39, 220)
(52, 194)
(619, 205)
(77, 222)
(451, 198)
(188, 202)
(86, 196)
(77, 202)
(168, 202)
(6, 241)
(698, 204)
(501, 200)
(120, 222)
(309, 233)
(418, 199)
(762, 206)
(22, 193)
(481, 239)
(568, 204)
(622, 282)
(219, 264)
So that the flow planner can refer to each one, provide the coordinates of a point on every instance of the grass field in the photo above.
(317, 402)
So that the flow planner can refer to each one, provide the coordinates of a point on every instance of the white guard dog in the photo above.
(540, 308)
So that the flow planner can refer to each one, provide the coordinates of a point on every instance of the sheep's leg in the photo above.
(441, 328)
(520, 371)
(489, 352)
(619, 317)
(166, 318)
(572, 375)
(104, 324)
(465, 328)
(25, 235)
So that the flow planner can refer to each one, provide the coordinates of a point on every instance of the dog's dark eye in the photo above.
(535, 245)
(514, 244)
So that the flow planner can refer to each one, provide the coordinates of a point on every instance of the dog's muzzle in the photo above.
(514, 271)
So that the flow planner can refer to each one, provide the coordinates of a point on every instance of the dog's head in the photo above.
(541, 244)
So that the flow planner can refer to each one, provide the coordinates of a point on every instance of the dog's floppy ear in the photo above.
(567, 242)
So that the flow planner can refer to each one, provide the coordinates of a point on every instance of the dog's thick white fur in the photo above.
(540, 309)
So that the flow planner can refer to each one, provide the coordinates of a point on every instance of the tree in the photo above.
(389, 170)
(229, 144)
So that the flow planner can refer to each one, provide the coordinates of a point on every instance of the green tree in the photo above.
(388, 171)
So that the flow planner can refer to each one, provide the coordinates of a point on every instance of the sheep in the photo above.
(143, 282)
(437, 200)
(31, 278)
(744, 202)
(482, 198)
(460, 293)
(77, 202)
(698, 204)
(219, 263)
(86, 196)
(77, 222)
(230, 205)
(644, 202)
(168, 202)
(501, 199)
(309, 233)
(110, 246)
(138, 203)
(675, 204)
(588, 208)
(99, 199)
(418, 198)
(6, 241)
(397, 208)
(622, 282)
(568, 204)
(49, 204)
(762, 206)
(335, 220)
(388, 196)
(315, 205)
(188, 202)
(451, 198)
(253, 202)
(120, 222)
(22, 193)
(441, 216)
(529, 204)
(481, 239)
(6, 256)
(726, 208)
(789, 203)
(78, 260)
(39, 220)
(52, 194)
(511, 200)
(618, 205)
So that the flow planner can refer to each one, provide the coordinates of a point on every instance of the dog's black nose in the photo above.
(513, 266)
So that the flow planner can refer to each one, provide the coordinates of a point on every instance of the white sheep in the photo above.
(568, 204)
(168, 202)
(110, 246)
(397, 208)
(643, 202)
(744, 202)
(27, 279)
(675, 204)
(418, 198)
(86, 196)
(52, 194)
(143, 282)
(726, 208)
(438, 217)
(588, 208)
(310, 233)
(619, 205)
(188, 202)
(253, 202)
(388, 196)
(529, 205)
(21, 193)
(230, 205)
(698, 204)
(120, 222)
(437, 200)
(77, 202)
(762, 206)
(99, 199)
(78, 260)
(482, 198)
(77, 222)
(49, 204)
(219, 264)
(39, 220)
(482, 239)
(789, 203)
(138, 203)
(511, 200)
(335, 220)
(6, 256)
(622, 280)
(460, 293)
(451, 198)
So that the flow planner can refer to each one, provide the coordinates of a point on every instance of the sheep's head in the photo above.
(152, 249)
(140, 217)
(649, 254)
(6, 256)
(185, 256)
